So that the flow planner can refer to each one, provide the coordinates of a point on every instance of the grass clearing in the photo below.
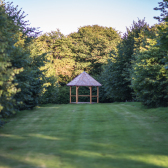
(117, 135)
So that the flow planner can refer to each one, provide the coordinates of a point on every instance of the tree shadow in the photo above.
(89, 154)
(9, 162)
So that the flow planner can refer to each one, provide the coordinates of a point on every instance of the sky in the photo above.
(69, 15)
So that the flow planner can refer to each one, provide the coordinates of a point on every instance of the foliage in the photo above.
(150, 73)
(63, 95)
(40, 47)
(116, 73)
(34, 69)
(50, 93)
(30, 81)
(164, 12)
(92, 45)
(9, 27)
(88, 49)
(60, 62)
(103, 97)
(21, 77)
(163, 7)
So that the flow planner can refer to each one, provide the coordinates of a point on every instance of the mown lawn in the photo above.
(117, 135)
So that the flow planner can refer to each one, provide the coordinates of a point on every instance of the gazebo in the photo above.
(84, 79)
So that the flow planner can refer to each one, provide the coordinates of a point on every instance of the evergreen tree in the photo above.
(117, 72)
(21, 78)
(150, 67)
(149, 75)
(9, 30)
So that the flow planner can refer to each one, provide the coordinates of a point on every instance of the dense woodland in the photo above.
(35, 67)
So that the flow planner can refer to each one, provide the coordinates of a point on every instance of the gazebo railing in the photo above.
(77, 95)
(83, 95)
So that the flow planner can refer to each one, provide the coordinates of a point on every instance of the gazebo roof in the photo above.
(83, 79)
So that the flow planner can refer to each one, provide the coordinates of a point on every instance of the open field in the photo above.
(117, 135)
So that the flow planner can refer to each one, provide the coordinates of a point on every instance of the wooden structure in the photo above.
(84, 79)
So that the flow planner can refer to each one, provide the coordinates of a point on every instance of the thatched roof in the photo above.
(84, 79)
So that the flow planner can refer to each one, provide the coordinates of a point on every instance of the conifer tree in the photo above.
(8, 31)
(149, 74)
(117, 72)
(21, 78)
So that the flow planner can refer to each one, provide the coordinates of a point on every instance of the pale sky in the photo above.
(69, 15)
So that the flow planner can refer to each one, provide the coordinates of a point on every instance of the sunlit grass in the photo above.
(118, 135)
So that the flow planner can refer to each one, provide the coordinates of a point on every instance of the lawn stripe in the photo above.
(84, 135)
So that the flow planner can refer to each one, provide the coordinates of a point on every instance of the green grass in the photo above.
(117, 135)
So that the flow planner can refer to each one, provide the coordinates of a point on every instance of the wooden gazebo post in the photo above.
(70, 94)
(77, 87)
(90, 94)
(97, 94)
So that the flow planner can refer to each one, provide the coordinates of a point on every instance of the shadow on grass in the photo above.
(96, 159)
(39, 142)
(8, 162)
(90, 154)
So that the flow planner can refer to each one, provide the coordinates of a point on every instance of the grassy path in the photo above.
(86, 136)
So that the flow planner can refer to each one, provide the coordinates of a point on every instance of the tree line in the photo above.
(35, 67)
(139, 69)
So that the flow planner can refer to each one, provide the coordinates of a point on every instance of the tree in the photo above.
(149, 73)
(163, 7)
(164, 11)
(21, 78)
(88, 49)
(31, 80)
(117, 72)
(92, 45)
(8, 30)
(60, 63)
